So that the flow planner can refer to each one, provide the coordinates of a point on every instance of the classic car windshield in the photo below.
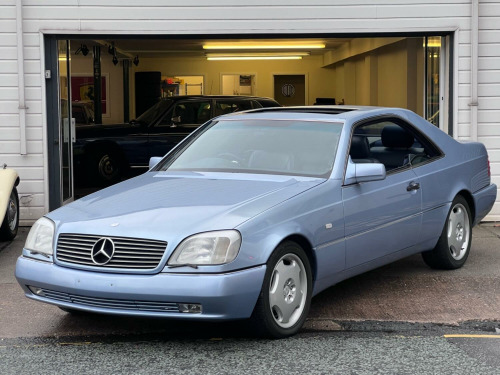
(290, 147)
(154, 112)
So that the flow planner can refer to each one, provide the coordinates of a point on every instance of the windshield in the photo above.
(303, 148)
(152, 113)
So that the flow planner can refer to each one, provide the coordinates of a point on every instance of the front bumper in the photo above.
(222, 296)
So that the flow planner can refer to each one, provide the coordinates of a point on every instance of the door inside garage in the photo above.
(111, 81)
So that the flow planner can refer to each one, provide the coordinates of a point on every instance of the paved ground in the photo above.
(307, 353)
(405, 291)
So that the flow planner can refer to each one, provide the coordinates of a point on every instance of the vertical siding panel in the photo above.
(489, 88)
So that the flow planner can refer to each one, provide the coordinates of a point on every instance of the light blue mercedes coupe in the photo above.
(256, 212)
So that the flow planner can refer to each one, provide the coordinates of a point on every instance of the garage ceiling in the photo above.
(194, 47)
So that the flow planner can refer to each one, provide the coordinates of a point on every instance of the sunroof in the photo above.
(321, 110)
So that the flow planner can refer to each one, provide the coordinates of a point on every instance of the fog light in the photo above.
(36, 291)
(191, 308)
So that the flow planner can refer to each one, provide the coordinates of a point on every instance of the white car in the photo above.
(9, 204)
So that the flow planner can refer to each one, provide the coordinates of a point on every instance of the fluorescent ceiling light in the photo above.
(256, 54)
(263, 45)
(433, 41)
(254, 58)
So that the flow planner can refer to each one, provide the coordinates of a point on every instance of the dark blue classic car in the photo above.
(103, 154)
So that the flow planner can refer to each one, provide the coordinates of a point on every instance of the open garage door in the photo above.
(116, 80)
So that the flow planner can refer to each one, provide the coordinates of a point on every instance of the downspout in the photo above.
(474, 68)
(20, 75)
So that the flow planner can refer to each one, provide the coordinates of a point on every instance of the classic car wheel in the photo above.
(453, 246)
(10, 223)
(284, 301)
(107, 167)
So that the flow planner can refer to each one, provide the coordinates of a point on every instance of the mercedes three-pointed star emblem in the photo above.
(103, 251)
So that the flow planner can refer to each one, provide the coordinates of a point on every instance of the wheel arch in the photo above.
(303, 242)
(470, 201)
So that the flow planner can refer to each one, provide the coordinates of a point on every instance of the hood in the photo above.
(164, 205)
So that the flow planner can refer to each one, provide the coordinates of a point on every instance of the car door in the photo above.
(183, 118)
(381, 217)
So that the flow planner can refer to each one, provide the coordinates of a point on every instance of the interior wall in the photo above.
(391, 75)
(320, 81)
(82, 65)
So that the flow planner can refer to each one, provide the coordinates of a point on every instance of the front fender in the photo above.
(8, 180)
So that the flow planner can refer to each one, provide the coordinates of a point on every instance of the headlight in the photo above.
(41, 237)
(208, 248)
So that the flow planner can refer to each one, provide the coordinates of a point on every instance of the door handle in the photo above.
(413, 186)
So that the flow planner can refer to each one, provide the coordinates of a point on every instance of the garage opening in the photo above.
(115, 98)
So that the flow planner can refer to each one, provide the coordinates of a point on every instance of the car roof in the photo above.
(236, 97)
(329, 113)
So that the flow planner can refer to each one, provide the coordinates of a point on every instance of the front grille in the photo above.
(130, 253)
(121, 304)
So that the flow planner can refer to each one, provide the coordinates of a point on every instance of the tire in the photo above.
(286, 293)
(105, 167)
(454, 244)
(10, 224)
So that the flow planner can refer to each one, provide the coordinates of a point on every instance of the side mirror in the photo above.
(154, 160)
(363, 172)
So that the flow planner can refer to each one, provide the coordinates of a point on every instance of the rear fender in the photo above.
(8, 180)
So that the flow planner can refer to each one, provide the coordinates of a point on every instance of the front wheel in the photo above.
(285, 297)
(453, 246)
(10, 223)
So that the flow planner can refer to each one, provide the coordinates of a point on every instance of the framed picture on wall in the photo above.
(82, 90)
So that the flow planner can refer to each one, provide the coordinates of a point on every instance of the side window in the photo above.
(187, 113)
(223, 107)
(393, 143)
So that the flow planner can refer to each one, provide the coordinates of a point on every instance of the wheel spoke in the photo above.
(286, 290)
(458, 231)
(12, 214)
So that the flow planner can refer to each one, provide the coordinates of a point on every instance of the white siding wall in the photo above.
(241, 17)
(489, 89)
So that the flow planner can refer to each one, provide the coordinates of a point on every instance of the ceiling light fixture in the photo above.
(83, 49)
(256, 54)
(254, 58)
(240, 46)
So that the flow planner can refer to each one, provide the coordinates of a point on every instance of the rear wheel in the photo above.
(285, 297)
(453, 246)
(10, 223)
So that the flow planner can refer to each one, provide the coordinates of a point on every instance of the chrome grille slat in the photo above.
(125, 258)
(83, 241)
(71, 247)
(144, 253)
(154, 306)
(72, 256)
(78, 251)
(145, 246)
(130, 253)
